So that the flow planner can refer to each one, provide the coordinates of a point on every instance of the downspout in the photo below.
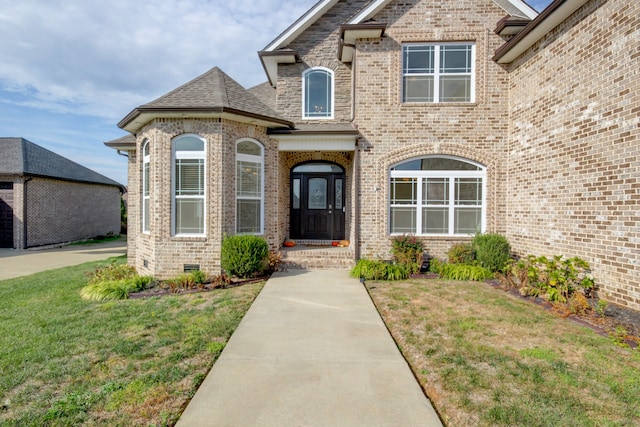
(356, 201)
(24, 213)
(356, 165)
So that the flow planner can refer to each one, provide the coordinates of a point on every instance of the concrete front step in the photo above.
(321, 257)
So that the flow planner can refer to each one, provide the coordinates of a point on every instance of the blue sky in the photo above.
(71, 69)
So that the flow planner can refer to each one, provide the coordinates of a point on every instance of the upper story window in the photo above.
(437, 195)
(188, 186)
(146, 175)
(438, 72)
(317, 93)
(249, 187)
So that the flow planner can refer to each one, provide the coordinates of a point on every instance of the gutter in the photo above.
(548, 19)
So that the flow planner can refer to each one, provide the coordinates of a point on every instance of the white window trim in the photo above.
(146, 162)
(436, 74)
(450, 176)
(304, 93)
(188, 155)
(253, 159)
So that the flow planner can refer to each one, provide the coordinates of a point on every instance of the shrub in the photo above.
(244, 255)
(379, 270)
(199, 277)
(492, 251)
(114, 289)
(557, 278)
(461, 253)
(407, 250)
(460, 271)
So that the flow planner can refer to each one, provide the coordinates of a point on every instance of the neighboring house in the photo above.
(46, 198)
(438, 119)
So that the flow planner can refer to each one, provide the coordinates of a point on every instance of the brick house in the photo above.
(46, 198)
(437, 119)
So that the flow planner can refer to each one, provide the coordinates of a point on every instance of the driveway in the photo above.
(16, 263)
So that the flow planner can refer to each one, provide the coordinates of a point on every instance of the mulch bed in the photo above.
(163, 289)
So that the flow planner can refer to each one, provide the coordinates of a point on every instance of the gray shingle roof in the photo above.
(21, 157)
(213, 91)
(265, 93)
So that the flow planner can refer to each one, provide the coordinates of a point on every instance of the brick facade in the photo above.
(557, 131)
(574, 149)
(58, 211)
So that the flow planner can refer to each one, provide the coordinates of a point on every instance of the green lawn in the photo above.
(66, 361)
(486, 358)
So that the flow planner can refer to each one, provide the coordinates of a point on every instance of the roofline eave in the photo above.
(548, 19)
(140, 116)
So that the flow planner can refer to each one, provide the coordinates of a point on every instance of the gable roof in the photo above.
(512, 7)
(212, 94)
(276, 53)
(22, 157)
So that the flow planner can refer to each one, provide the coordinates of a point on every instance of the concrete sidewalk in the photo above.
(16, 263)
(311, 351)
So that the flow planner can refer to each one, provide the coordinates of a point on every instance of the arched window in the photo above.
(317, 93)
(249, 187)
(146, 175)
(438, 195)
(188, 186)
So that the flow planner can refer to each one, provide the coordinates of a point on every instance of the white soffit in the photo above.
(304, 22)
(542, 26)
(525, 10)
(508, 5)
(315, 142)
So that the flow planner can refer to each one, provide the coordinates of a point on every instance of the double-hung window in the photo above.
(437, 196)
(249, 187)
(438, 72)
(146, 175)
(188, 186)
(317, 93)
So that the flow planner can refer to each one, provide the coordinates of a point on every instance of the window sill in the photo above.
(438, 104)
(188, 238)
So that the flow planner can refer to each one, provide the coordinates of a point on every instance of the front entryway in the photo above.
(6, 214)
(317, 201)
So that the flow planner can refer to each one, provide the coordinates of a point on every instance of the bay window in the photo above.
(249, 187)
(188, 186)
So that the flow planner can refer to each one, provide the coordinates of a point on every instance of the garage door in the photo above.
(6, 214)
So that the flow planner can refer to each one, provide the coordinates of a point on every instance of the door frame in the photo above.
(298, 196)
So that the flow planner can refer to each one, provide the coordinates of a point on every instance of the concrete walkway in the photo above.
(16, 263)
(311, 351)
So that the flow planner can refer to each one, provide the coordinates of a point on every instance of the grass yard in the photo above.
(486, 358)
(66, 361)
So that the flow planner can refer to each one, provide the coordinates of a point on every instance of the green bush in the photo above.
(557, 278)
(492, 251)
(379, 270)
(460, 271)
(461, 253)
(407, 250)
(244, 255)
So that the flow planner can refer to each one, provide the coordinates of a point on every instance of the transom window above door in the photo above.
(438, 195)
(438, 72)
(317, 93)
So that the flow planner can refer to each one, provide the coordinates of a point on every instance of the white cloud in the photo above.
(104, 58)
